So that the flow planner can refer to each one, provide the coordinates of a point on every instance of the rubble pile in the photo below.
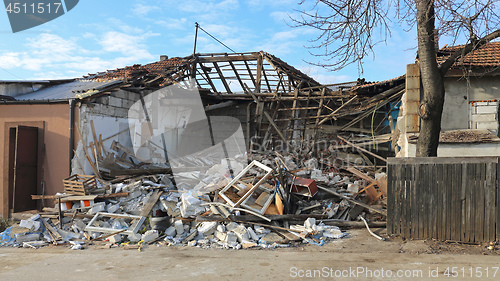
(275, 201)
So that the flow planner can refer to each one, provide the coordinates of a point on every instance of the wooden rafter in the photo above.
(259, 75)
(237, 76)
(208, 79)
(250, 72)
(222, 78)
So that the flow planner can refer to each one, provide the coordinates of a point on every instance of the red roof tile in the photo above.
(487, 55)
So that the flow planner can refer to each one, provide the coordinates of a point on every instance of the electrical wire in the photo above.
(220, 42)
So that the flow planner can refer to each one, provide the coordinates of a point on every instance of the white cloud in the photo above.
(143, 10)
(172, 23)
(195, 6)
(51, 56)
(324, 76)
(284, 17)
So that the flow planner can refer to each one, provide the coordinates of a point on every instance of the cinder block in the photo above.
(487, 125)
(179, 227)
(114, 101)
(241, 234)
(492, 117)
(105, 100)
(232, 226)
(207, 228)
(121, 112)
(120, 94)
(486, 109)
(150, 235)
(115, 238)
(170, 231)
(412, 107)
(231, 237)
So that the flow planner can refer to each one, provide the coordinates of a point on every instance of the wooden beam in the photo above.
(259, 75)
(265, 78)
(331, 115)
(237, 76)
(228, 58)
(208, 79)
(250, 72)
(222, 78)
(274, 125)
(362, 149)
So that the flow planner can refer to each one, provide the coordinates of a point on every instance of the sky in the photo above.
(96, 36)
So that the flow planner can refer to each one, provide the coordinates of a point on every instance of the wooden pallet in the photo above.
(79, 184)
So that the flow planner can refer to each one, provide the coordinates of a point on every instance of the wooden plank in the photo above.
(455, 202)
(362, 149)
(209, 80)
(222, 78)
(441, 160)
(382, 184)
(480, 211)
(96, 141)
(332, 115)
(463, 207)
(92, 165)
(468, 215)
(424, 198)
(259, 75)
(276, 128)
(151, 203)
(497, 202)
(491, 181)
(237, 75)
(397, 199)
(438, 226)
(390, 199)
(406, 219)
(413, 202)
(447, 200)
(227, 58)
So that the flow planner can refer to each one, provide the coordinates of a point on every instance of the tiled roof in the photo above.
(157, 68)
(487, 55)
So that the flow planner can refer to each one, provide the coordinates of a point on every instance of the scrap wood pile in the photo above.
(275, 201)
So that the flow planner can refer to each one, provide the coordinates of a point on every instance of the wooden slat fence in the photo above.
(444, 198)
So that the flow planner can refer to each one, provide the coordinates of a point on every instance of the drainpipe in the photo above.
(72, 104)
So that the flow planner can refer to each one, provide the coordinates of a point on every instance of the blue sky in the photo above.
(99, 35)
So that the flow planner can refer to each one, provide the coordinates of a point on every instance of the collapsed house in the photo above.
(200, 139)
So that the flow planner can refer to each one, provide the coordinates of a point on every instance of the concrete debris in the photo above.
(275, 201)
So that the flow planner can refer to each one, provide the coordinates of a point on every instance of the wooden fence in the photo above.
(444, 198)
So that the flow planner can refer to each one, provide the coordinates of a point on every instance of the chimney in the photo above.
(163, 57)
(436, 39)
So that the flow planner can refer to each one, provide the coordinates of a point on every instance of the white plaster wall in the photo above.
(459, 93)
(462, 150)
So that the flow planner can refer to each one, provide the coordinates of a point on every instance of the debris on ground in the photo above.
(275, 201)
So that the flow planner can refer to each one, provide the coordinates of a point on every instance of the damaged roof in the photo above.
(75, 89)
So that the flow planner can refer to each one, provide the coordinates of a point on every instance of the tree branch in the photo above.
(473, 45)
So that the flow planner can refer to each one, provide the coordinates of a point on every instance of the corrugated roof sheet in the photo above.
(69, 90)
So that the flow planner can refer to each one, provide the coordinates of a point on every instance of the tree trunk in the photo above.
(431, 105)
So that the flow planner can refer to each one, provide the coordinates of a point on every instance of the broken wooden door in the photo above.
(25, 167)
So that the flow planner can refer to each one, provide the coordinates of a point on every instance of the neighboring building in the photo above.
(470, 116)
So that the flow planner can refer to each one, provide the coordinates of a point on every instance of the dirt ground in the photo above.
(356, 257)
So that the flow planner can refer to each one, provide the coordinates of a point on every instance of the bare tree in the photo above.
(349, 30)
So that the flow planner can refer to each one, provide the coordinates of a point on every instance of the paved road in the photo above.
(360, 257)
